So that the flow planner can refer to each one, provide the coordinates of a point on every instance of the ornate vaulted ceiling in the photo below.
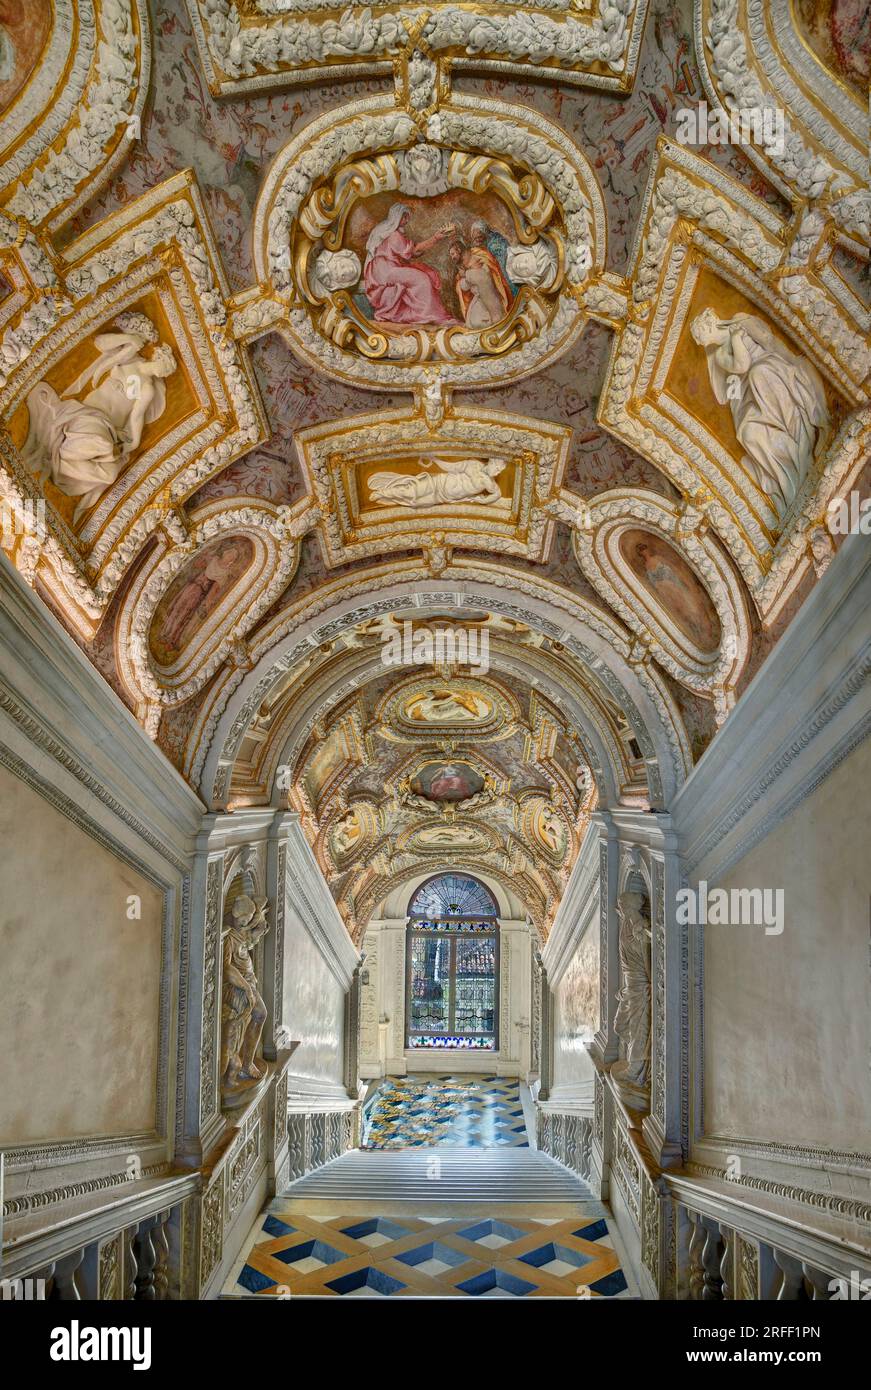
(323, 329)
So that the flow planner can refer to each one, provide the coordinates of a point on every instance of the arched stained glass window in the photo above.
(453, 966)
(453, 895)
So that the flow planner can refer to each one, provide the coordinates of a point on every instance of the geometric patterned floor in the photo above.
(464, 1111)
(304, 1249)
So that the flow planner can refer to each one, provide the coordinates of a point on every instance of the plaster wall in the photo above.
(787, 1017)
(80, 991)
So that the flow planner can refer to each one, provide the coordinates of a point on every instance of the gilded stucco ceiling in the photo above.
(322, 325)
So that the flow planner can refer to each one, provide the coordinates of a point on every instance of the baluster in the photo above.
(161, 1245)
(792, 1289)
(711, 1256)
(131, 1265)
(696, 1271)
(27, 1286)
(65, 1287)
(819, 1281)
(146, 1257)
(726, 1270)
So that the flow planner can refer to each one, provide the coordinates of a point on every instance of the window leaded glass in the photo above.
(452, 895)
(453, 965)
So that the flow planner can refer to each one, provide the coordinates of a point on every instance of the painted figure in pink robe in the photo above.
(209, 577)
(398, 287)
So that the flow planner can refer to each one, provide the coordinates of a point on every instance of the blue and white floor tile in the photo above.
(421, 1111)
(302, 1249)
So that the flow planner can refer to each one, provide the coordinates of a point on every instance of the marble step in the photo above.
(479, 1175)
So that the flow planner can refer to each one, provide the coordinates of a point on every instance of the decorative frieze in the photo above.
(263, 44)
(211, 965)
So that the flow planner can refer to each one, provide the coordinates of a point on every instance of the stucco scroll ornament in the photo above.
(632, 1019)
(115, 94)
(805, 170)
(411, 302)
(83, 445)
(524, 34)
(777, 400)
(243, 1012)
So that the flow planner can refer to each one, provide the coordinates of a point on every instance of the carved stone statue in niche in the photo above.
(243, 1011)
(632, 1019)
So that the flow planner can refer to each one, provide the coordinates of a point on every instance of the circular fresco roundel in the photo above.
(447, 781)
(460, 246)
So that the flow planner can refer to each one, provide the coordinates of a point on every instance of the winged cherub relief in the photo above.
(457, 480)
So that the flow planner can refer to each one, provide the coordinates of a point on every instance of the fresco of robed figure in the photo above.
(674, 586)
(195, 593)
(431, 262)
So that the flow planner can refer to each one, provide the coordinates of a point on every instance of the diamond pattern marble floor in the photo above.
(311, 1249)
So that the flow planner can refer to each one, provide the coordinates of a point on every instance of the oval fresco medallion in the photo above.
(673, 586)
(547, 828)
(24, 29)
(447, 781)
(195, 594)
(839, 34)
(432, 261)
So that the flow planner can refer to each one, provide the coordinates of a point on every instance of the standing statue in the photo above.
(243, 1011)
(632, 1019)
(776, 397)
(83, 445)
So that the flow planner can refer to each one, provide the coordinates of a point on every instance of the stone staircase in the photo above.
(443, 1174)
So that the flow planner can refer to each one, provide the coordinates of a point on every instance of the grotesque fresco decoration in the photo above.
(839, 32)
(673, 585)
(298, 375)
(81, 440)
(24, 29)
(776, 397)
(447, 781)
(195, 594)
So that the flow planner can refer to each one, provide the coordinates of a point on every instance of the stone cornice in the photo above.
(577, 909)
(68, 714)
(314, 905)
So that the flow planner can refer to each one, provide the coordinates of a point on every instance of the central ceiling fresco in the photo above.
(410, 419)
